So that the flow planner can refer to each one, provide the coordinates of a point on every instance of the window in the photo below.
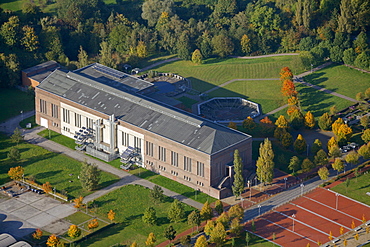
(137, 143)
(66, 118)
(149, 148)
(125, 139)
(200, 169)
(78, 120)
(174, 159)
(43, 108)
(187, 164)
(162, 154)
(54, 111)
(89, 123)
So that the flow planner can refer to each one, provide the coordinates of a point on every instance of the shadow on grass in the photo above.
(116, 229)
(43, 175)
(162, 221)
(107, 183)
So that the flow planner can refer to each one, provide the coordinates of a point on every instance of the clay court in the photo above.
(314, 216)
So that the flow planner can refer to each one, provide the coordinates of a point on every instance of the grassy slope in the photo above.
(14, 101)
(47, 167)
(340, 79)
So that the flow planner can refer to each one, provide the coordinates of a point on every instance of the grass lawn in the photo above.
(340, 79)
(255, 242)
(13, 5)
(266, 93)
(46, 166)
(188, 102)
(172, 185)
(357, 188)
(58, 138)
(216, 71)
(129, 203)
(14, 101)
(31, 120)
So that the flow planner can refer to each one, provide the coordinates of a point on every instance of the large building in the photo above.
(113, 111)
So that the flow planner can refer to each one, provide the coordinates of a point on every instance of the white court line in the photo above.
(319, 215)
(309, 226)
(289, 230)
(333, 208)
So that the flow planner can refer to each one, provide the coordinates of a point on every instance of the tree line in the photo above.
(83, 31)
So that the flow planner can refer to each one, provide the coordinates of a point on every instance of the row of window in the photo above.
(125, 137)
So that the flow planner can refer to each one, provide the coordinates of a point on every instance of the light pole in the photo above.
(22, 115)
(250, 189)
(311, 67)
(302, 185)
(293, 216)
(54, 191)
(285, 179)
(336, 201)
(259, 209)
(308, 147)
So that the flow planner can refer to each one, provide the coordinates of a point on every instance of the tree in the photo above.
(14, 154)
(218, 235)
(296, 119)
(307, 165)
(364, 151)
(323, 173)
(247, 238)
(245, 43)
(47, 187)
(89, 176)
(152, 10)
(332, 142)
(366, 136)
(345, 19)
(232, 125)
(194, 218)
(321, 158)
(206, 212)
(364, 121)
(186, 241)
(219, 207)
(288, 88)
(334, 151)
(150, 216)
(249, 123)
(300, 144)
(37, 234)
(176, 212)
(106, 55)
(183, 47)
(53, 241)
(10, 31)
(360, 96)
(208, 228)
(309, 120)
(134, 244)
(316, 146)
(352, 157)
(349, 56)
(282, 122)
(236, 211)
(333, 110)
(201, 242)
(206, 45)
(197, 57)
(74, 231)
(224, 219)
(222, 45)
(286, 74)
(325, 121)
(17, 136)
(235, 227)
(338, 165)
(150, 240)
(83, 58)
(267, 127)
(157, 194)
(238, 185)
(265, 162)
(169, 233)
(29, 39)
(279, 133)
(141, 49)
(111, 215)
(367, 93)
(286, 139)
(16, 173)
(78, 202)
(93, 224)
(294, 164)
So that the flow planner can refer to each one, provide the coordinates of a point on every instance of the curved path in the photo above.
(270, 55)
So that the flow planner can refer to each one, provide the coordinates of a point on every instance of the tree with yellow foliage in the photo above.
(332, 142)
(93, 224)
(16, 173)
(150, 240)
(53, 241)
(309, 120)
(47, 187)
(336, 126)
(37, 234)
(232, 125)
(300, 144)
(282, 122)
(111, 215)
(78, 202)
(74, 231)
(249, 123)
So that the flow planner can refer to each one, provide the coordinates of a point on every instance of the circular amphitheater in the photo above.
(228, 109)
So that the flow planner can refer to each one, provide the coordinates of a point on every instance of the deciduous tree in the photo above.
(232, 125)
(364, 121)
(37, 234)
(366, 136)
(352, 157)
(265, 162)
(16, 173)
(208, 228)
(83, 58)
(14, 154)
(29, 40)
(364, 151)
(335, 152)
(300, 144)
(141, 49)
(236, 211)
(156, 194)
(17, 136)
(194, 218)
(288, 88)
(89, 176)
(282, 122)
(224, 219)
(201, 242)
(176, 211)
(321, 158)
(111, 215)
(286, 74)
(150, 216)
(267, 126)
(196, 57)
(316, 146)
(74, 231)
(93, 224)
(323, 173)
(219, 207)
(338, 165)
(206, 212)
(134, 244)
(294, 164)
(235, 227)
(245, 43)
(238, 185)
(78, 202)
(325, 121)
(307, 165)
(309, 120)
(249, 123)
(53, 241)
(170, 233)
(218, 235)
(152, 10)
(286, 139)
(222, 45)
(47, 187)
(150, 240)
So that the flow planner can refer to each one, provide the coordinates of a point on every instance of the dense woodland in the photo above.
(82, 31)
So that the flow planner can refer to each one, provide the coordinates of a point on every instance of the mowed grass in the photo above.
(58, 138)
(14, 101)
(216, 71)
(340, 79)
(172, 185)
(14, 5)
(129, 203)
(60, 170)
(264, 92)
(357, 188)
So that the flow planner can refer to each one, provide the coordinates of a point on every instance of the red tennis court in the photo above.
(310, 218)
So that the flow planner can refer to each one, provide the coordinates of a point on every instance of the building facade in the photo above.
(114, 106)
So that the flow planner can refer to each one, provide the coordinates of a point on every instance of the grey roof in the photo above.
(41, 66)
(143, 112)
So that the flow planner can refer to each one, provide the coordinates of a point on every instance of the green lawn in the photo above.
(58, 138)
(255, 242)
(357, 188)
(340, 79)
(129, 203)
(46, 166)
(31, 120)
(14, 101)
(216, 71)
(188, 102)
(172, 185)
(13, 5)
(266, 93)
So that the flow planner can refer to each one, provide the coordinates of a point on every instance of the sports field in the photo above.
(311, 218)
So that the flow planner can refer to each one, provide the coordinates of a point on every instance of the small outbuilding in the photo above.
(35, 75)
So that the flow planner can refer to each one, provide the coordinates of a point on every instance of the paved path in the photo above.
(159, 63)
(270, 55)
(32, 137)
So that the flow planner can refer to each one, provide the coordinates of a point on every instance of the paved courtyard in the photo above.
(30, 211)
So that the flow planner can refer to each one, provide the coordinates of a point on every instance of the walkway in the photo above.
(126, 178)
(159, 63)
(270, 55)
